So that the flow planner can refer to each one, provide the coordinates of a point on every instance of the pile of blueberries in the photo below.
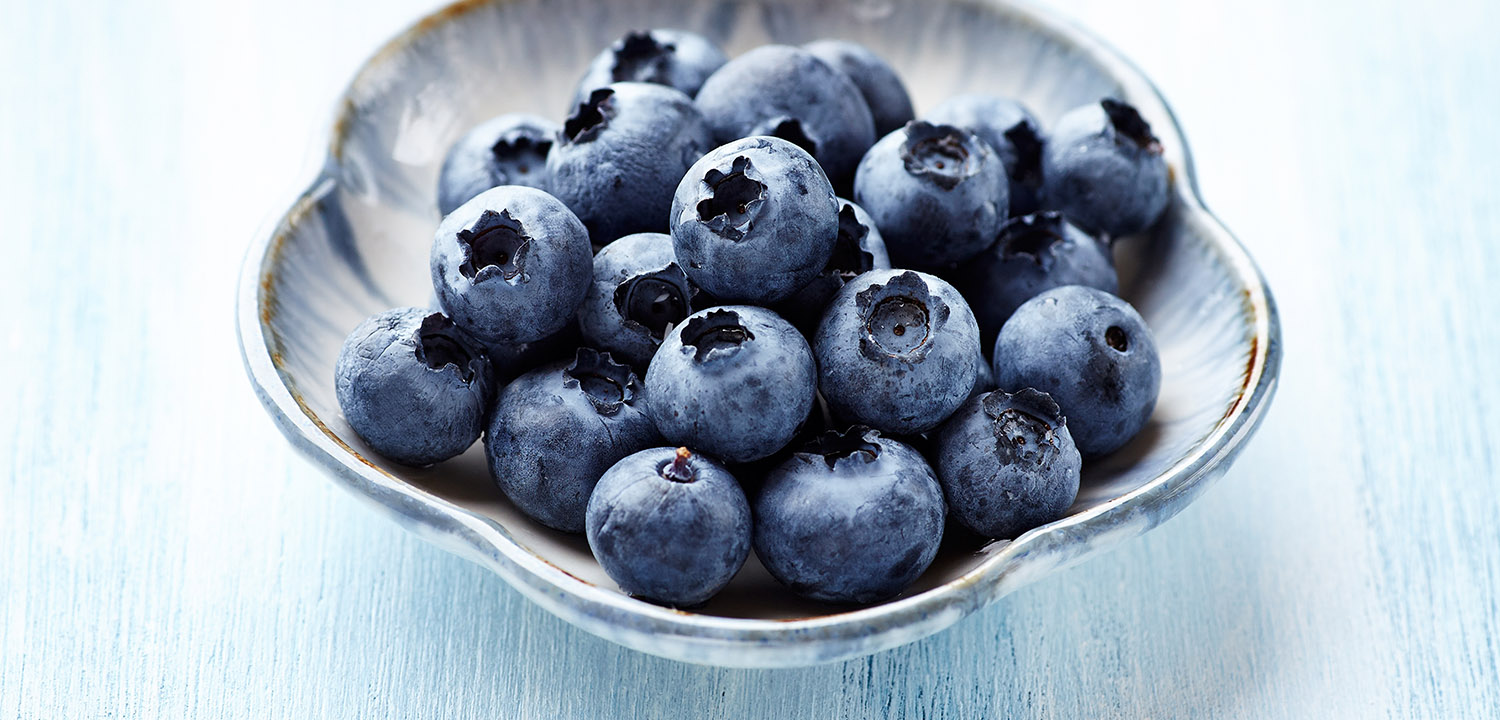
(707, 349)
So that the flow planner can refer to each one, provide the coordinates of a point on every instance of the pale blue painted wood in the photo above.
(163, 552)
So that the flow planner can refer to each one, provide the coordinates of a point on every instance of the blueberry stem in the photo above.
(678, 470)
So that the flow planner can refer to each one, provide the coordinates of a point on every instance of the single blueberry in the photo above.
(857, 250)
(734, 381)
(638, 295)
(1011, 130)
(852, 517)
(878, 83)
(789, 93)
(511, 265)
(896, 351)
(1031, 255)
(1104, 170)
(413, 386)
(1094, 355)
(620, 155)
(507, 150)
(937, 192)
(669, 526)
(674, 58)
(754, 220)
(1007, 463)
(556, 429)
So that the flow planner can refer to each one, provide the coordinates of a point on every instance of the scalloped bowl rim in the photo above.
(749, 641)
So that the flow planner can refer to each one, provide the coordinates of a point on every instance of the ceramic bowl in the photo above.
(357, 242)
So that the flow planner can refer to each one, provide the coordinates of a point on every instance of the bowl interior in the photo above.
(358, 242)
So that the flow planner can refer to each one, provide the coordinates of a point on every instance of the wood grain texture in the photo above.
(164, 554)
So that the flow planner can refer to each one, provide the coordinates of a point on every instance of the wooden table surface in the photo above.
(164, 553)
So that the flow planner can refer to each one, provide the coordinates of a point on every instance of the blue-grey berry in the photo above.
(1104, 170)
(675, 58)
(878, 83)
(638, 295)
(508, 150)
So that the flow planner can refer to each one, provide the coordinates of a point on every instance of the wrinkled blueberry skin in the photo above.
(1011, 130)
(556, 429)
(858, 250)
(1104, 170)
(669, 541)
(901, 381)
(938, 193)
(1032, 255)
(779, 242)
(1007, 463)
(773, 88)
(1094, 355)
(851, 519)
(636, 279)
(507, 150)
(503, 293)
(734, 381)
(621, 154)
(675, 58)
(878, 83)
(412, 386)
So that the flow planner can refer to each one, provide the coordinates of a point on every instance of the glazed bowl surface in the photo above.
(356, 242)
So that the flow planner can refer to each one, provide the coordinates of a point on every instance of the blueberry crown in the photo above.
(496, 240)
(940, 153)
(1128, 123)
(520, 150)
(1024, 423)
(655, 301)
(1027, 143)
(793, 131)
(640, 57)
(718, 333)
(849, 258)
(898, 318)
(591, 116)
(440, 343)
(1035, 236)
(733, 197)
(857, 444)
(607, 384)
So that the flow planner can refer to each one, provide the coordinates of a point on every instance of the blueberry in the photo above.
(669, 526)
(1007, 463)
(622, 152)
(556, 429)
(734, 382)
(674, 58)
(754, 220)
(1032, 254)
(507, 150)
(896, 351)
(638, 295)
(511, 265)
(509, 359)
(853, 517)
(857, 250)
(1094, 355)
(1011, 130)
(1104, 170)
(789, 93)
(412, 386)
(881, 87)
(937, 192)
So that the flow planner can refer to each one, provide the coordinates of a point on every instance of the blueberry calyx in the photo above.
(1115, 338)
(716, 334)
(1024, 423)
(733, 198)
(1127, 121)
(1031, 235)
(849, 258)
(495, 240)
(590, 117)
(857, 444)
(938, 153)
(1027, 143)
(898, 318)
(640, 58)
(679, 469)
(521, 153)
(656, 301)
(607, 384)
(791, 130)
(439, 344)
